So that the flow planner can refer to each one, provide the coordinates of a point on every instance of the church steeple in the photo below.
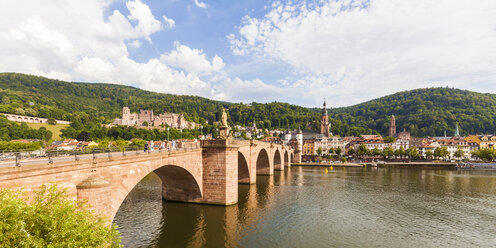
(324, 109)
(324, 121)
(457, 131)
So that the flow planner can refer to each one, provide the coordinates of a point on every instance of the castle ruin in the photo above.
(147, 117)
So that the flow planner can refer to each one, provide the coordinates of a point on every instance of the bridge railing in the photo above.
(10, 158)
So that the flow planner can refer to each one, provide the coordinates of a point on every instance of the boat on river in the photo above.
(476, 166)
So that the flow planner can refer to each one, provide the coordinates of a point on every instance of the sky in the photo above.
(299, 52)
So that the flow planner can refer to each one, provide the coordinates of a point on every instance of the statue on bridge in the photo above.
(224, 130)
(224, 118)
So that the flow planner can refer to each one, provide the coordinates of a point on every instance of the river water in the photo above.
(309, 207)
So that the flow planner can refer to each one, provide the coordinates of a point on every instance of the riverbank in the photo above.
(386, 164)
(418, 164)
(328, 164)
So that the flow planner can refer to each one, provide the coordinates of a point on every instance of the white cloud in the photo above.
(248, 90)
(200, 4)
(135, 43)
(192, 60)
(147, 24)
(72, 40)
(169, 23)
(350, 51)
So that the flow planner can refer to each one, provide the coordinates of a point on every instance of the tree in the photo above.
(400, 152)
(459, 152)
(475, 153)
(48, 135)
(389, 139)
(51, 121)
(376, 152)
(331, 150)
(412, 152)
(429, 154)
(103, 144)
(339, 151)
(351, 151)
(51, 219)
(5, 100)
(319, 151)
(441, 152)
(83, 136)
(387, 152)
(121, 143)
(138, 142)
(486, 154)
(362, 150)
(243, 135)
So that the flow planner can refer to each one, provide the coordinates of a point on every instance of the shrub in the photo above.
(52, 121)
(51, 219)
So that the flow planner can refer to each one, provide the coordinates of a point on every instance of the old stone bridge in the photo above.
(208, 173)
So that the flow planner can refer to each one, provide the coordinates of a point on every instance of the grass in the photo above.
(55, 129)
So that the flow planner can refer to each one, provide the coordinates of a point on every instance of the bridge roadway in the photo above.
(70, 157)
(208, 173)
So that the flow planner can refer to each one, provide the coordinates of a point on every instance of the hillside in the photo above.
(423, 112)
(38, 96)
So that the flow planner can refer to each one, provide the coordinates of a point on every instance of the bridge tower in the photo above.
(299, 149)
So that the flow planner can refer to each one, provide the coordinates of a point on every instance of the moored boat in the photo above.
(476, 166)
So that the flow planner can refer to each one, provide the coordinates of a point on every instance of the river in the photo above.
(309, 207)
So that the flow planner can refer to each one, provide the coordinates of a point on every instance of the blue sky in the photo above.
(347, 51)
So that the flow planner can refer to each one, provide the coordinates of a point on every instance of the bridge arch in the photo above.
(278, 161)
(178, 184)
(243, 169)
(263, 163)
(286, 159)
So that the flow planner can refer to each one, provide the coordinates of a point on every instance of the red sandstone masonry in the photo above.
(220, 172)
(203, 176)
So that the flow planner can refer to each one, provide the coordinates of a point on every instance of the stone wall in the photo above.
(30, 119)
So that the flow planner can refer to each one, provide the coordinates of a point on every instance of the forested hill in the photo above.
(38, 96)
(423, 112)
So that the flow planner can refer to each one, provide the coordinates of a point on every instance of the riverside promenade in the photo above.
(385, 164)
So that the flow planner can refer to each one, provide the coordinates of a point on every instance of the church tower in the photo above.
(392, 126)
(324, 122)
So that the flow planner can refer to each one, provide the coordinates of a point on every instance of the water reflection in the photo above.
(309, 207)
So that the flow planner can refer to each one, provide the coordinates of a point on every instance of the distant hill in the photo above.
(39, 96)
(423, 112)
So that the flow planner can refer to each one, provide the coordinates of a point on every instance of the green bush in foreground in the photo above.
(51, 219)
